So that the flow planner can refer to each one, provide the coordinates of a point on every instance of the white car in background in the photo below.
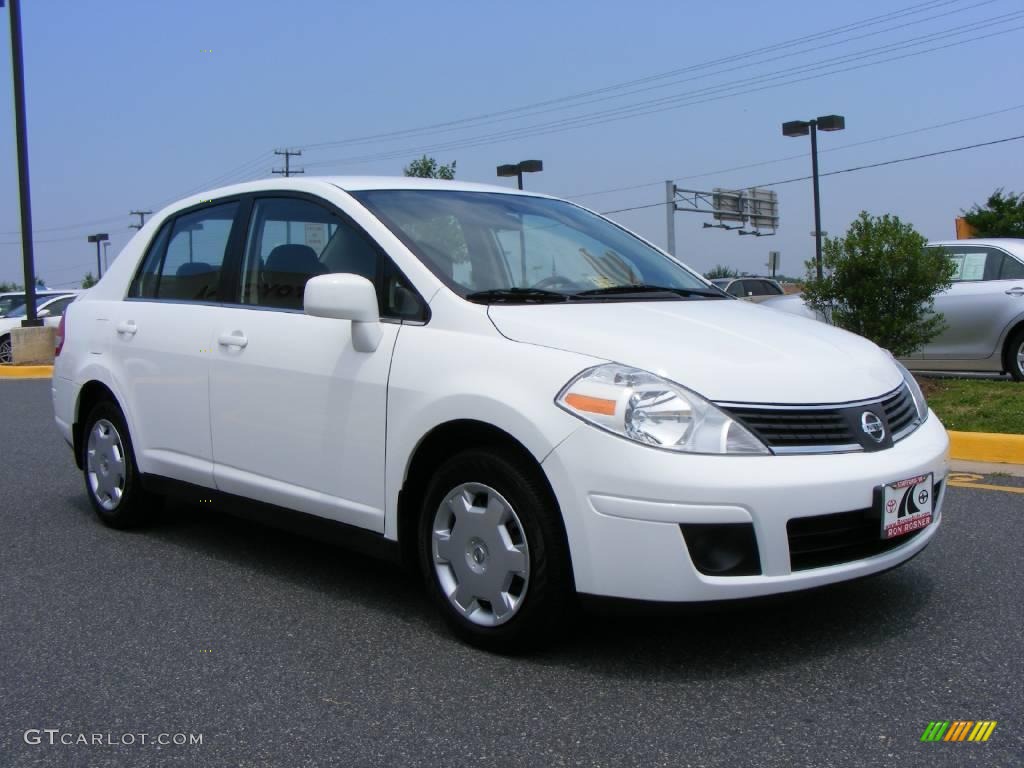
(516, 395)
(49, 308)
(983, 310)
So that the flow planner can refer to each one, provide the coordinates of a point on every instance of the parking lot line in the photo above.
(984, 486)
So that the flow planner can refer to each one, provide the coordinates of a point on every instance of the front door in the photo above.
(298, 415)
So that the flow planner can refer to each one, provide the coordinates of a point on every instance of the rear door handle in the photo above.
(1015, 291)
(128, 327)
(233, 339)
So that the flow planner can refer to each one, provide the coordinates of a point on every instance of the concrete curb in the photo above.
(26, 371)
(984, 446)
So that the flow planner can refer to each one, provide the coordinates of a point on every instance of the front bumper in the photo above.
(623, 504)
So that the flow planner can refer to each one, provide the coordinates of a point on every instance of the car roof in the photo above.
(1015, 244)
(363, 183)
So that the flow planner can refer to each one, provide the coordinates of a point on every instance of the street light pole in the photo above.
(98, 238)
(24, 194)
(517, 170)
(817, 199)
(802, 128)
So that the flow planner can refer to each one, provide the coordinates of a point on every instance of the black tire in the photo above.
(1014, 350)
(546, 597)
(6, 351)
(132, 506)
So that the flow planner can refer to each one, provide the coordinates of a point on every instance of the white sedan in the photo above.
(49, 308)
(519, 397)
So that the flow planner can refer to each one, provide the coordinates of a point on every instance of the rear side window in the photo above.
(185, 259)
(768, 288)
(1011, 269)
(738, 288)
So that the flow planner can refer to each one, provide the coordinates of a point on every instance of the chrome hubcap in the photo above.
(105, 464)
(480, 554)
(5, 351)
(1020, 358)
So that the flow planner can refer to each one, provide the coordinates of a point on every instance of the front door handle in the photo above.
(1015, 291)
(128, 327)
(233, 339)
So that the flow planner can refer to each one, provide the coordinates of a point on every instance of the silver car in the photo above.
(983, 309)
(749, 287)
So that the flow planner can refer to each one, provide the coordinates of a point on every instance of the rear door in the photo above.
(985, 297)
(298, 415)
(161, 341)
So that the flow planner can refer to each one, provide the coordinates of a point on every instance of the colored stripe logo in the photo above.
(958, 730)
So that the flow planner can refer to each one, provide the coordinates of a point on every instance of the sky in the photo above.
(132, 105)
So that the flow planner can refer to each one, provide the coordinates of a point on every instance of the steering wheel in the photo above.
(554, 282)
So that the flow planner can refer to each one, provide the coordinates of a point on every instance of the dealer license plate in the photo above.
(907, 505)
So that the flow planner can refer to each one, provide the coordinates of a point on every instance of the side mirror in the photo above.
(346, 297)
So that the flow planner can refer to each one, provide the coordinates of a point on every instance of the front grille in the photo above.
(900, 411)
(822, 540)
(791, 428)
(829, 428)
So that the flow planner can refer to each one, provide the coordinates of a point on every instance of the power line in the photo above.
(704, 95)
(832, 32)
(848, 170)
(802, 156)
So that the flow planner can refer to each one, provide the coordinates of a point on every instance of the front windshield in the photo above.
(485, 242)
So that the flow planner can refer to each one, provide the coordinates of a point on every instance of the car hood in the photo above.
(727, 351)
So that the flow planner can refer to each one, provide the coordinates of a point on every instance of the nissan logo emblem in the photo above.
(872, 426)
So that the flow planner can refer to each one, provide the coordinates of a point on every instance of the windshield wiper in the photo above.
(622, 290)
(516, 296)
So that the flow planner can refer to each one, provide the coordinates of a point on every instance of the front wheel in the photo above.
(1015, 355)
(6, 351)
(493, 553)
(111, 476)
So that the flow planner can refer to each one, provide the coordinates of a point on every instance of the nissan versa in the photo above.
(523, 399)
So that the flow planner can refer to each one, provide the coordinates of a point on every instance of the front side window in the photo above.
(480, 243)
(185, 258)
(292, 240)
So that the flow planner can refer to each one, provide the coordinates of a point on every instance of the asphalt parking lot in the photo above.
(286, 652)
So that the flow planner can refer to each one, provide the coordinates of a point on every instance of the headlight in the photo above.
(648, 409)
(915, 391)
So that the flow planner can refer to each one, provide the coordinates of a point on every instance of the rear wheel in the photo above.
(1015, 355)
(6, 350)
(493, 553)
(111, 476)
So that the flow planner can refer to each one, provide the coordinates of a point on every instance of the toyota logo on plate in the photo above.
(872, 426)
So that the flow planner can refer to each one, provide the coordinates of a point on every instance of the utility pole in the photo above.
(142, 218)
(288, 154)
(670, 208)
(24, 194)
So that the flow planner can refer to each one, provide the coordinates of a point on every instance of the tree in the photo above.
(428, 168)
(880, 282)
(9, 287)
(89, 281)
(721, 270)
(1001, 216)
